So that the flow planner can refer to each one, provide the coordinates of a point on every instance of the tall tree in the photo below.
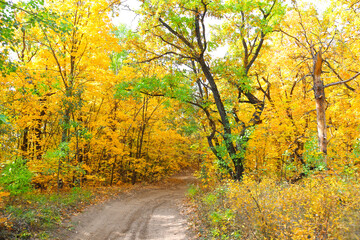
(321, 43)
(177, 33)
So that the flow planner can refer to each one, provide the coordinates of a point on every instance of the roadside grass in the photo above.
(321, 206)
(33, 215)
(36, 215)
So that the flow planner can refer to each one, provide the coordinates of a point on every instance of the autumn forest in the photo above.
(259, 98)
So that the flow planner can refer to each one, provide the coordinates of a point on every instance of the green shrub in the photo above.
(16, 177)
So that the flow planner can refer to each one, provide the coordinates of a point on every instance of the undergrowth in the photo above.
(32, 216)
(322, 206)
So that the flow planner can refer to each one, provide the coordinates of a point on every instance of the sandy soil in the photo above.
(149, 213)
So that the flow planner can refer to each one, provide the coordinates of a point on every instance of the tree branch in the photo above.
(342, 82)
(181, 37)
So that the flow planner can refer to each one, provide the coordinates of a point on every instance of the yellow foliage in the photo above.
(2, 195)
(322, 207)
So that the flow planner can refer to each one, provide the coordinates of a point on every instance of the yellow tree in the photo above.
(75, 62)
(291, 115)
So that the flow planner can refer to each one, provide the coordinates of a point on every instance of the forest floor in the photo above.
(146, 212)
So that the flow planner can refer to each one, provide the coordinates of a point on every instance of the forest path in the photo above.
(152, 213)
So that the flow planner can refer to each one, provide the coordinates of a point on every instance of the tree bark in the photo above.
(227, 135)
(112, 170)
(319, 92)
(64, 139)
(38, 131)
(25, 143)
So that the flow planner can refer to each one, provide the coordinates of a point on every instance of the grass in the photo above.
(35, 215)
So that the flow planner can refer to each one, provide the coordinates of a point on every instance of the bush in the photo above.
(16, 177)
(321, 207)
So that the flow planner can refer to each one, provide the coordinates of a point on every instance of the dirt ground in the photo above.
(151, 213)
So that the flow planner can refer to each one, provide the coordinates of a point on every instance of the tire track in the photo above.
(151, 214)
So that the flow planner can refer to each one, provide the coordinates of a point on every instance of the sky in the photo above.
(320, 4)
(128, 18)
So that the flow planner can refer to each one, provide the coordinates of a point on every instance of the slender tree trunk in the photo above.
(112, 170)
(319, 92)
(38, 133)
(25, 143)
(64, 139)
(140, 138)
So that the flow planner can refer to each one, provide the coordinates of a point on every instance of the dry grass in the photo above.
(319, 207)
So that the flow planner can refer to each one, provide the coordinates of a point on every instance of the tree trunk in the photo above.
(25, 143)
(112, 171)
(227, 135)
(38, 133)
(319, 93)
(64, 139)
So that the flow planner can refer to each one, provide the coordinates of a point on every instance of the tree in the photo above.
(21, 15)
(176, 33)
(321, 36)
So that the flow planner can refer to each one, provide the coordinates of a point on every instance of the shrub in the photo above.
(320, 207)
(16, 177)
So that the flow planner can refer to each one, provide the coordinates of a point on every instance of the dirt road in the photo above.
(150, 213)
